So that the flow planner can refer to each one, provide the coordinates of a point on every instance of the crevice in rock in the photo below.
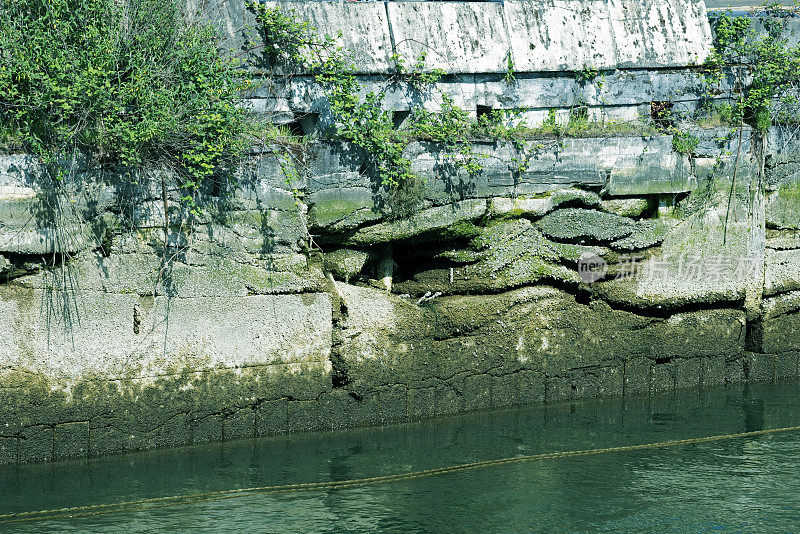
(14, 265)
(754, 335)
(667, 310)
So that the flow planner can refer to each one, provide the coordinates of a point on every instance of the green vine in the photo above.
(765, 65)
(360, 115)
(129, 84)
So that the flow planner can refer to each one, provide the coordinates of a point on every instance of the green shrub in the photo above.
(684, 142)
(765, 63)
(128, 83)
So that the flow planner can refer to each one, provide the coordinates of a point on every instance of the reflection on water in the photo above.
(738, 485)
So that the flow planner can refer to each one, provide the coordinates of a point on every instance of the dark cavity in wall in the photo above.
(304, 124)
(399, 117)
(661, 114)
(482, 111)
(754, 334)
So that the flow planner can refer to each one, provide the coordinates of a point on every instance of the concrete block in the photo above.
(531, 387)
(393, 404)
(271, 418)
(239, 425)
(71, 440)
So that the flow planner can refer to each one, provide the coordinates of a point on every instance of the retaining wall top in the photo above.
(479, 37)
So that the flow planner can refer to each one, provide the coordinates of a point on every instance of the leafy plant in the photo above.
(127, 83)
(684, 142)
(765, 64)
(509, 75)
(586, 75)
(359, 114)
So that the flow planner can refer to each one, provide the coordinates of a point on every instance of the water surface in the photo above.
(739, 485)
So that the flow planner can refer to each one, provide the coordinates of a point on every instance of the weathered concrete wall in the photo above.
(642, 52)
(310, 305)
(476, 37)
(108, 344)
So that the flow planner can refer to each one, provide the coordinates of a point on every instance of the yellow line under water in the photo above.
(175, 500)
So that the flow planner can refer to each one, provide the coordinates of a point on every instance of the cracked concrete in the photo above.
(127, 346)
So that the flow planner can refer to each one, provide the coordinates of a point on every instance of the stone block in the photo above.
(360, 28)
(271, 418)
(239, 425)
(448, 402)
(585, 384)
(342, 208)
(468, 37)
(307, 416)
(659, 172)
(688, 373)
(783, 207)
(437, 218)
(344, 410)
(9, 450)
(735, 370)
(601, 35)
(585, 226)
(422, 402)
(393, 404)
(786, 365)
(713, 371)
(627, 207)
(174, 431)
(206, 429)
(637, 376)
(505, 390)
(335, 165)
(558, 389)
(610, 381)
(531, 387)
(36, 444)
(760, 367)
(71, 440)
(104, 440)
(478, 392)
(662, 377)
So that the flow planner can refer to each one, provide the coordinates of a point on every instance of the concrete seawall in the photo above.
(304, 304)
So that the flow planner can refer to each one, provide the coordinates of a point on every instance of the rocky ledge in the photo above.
(312, 304)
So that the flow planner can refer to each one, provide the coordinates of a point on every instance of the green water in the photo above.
(741, 485)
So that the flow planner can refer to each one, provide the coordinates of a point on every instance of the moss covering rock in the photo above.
(432, 219)
(345, 263)
(509, 254)
(538, 207)
(585, 226)
(628, 207)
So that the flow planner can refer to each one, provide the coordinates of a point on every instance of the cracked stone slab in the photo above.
(585, 226)
(538, 207)
(437, 218)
